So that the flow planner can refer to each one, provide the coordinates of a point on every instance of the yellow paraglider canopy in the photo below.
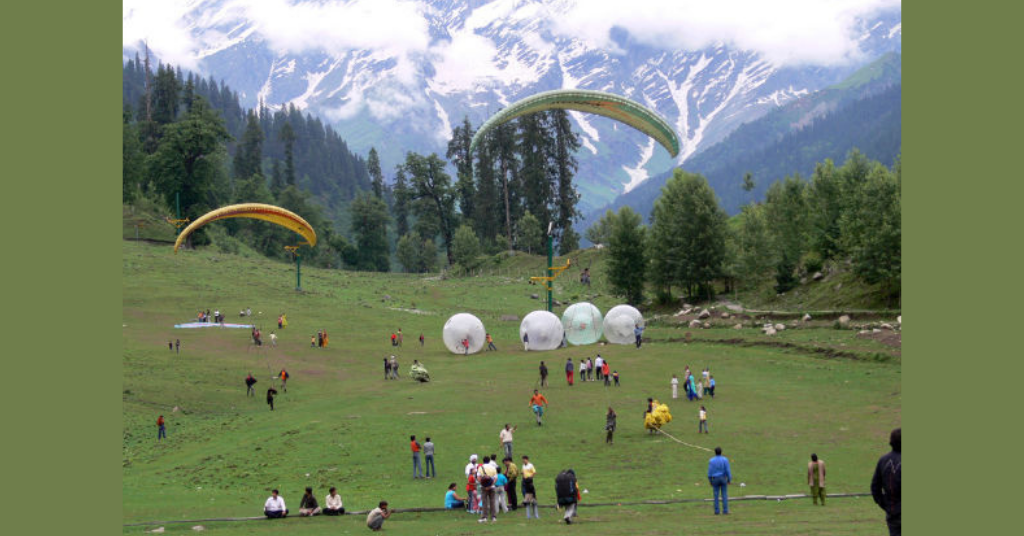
(259, 211)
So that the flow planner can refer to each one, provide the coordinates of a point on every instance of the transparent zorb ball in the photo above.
(582, 323)
(463, 326)
(544, 328)
(620, 322)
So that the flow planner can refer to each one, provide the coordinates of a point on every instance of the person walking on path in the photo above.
(161, 430)
(675, 387)
(567, 489)
(537, 404)
(249, 382)
(885, 484)
(512, 473)
(177, 346)
(309, 507)
(417, 467)
(271, 393)
(506, 439)
(720, 477)
(490, 344)
(703, 424)
(275, 507)
(543, 374)
(816, 479)
(609, 425)
(638, 331)
(568, 371)
(375, 519)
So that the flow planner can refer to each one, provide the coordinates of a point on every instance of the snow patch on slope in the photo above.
(638, 174)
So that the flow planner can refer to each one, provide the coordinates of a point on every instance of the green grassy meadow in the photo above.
(342, 424)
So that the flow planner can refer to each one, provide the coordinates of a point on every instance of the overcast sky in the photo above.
(783, 31)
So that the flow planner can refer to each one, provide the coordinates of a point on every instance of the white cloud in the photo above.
(784, 32)
(162, 26)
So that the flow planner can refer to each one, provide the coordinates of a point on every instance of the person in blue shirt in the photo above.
(711, 386)
(720, 477)
(452, 499)
(501, 497)
(639, 332)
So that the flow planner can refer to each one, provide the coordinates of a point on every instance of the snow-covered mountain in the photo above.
(479, 56)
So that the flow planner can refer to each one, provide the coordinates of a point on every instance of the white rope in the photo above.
(683, 442)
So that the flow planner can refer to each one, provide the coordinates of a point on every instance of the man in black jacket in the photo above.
(885, 484)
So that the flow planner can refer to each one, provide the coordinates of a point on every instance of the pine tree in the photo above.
(166, 96)
(369, 226)
(530, 234)
(787, 217)
(432, 194)
(503, 149)
(249, 153)
(460, 155)
(534, 148)
(600, 231)
(565, 164)
(132, 162)
(401, 208)
(488, 216)
(276, 178)
(872, 228)
(627, 263)
(687, 235)
(376, 175)
(287, 136)
(466, 247)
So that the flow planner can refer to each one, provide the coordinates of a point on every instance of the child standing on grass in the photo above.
(161, 432)
(615, 375)
(703, 425)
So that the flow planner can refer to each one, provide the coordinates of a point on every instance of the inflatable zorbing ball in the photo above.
(545, 330)
(582, 323)
(463, 326)
(619, 324)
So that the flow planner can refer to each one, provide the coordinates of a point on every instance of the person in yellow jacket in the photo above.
(816, 478)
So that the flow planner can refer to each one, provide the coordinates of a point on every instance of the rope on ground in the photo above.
(582, 504)
(683, 442)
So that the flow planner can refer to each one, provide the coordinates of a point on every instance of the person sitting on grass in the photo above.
(452, 499)
(309, 507)
(274, 507)
(375, 519)
(332, 503)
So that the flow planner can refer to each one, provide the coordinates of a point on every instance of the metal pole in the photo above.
(177, 204)
(551, 252)
(298, 271)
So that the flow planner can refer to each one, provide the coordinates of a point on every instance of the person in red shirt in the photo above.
(161, 430)
(465, 345)
(417, 467)
(394, 339)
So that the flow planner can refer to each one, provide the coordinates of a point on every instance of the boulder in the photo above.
(176, 409)
(807, 318)
(706, 325)
(198, 528)
(886, 326)
(509, 318)
(725, 315)
(817, 276)
(863, 332)
(158, 530)
(534, 296)
(779, 327)
(694, 324)
(769, 331)
(687, 306)
(899, 320)
(876, 330)
(844, 320)
(738, 326)
(704, 314)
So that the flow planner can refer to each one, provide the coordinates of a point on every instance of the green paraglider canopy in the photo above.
(596, 102)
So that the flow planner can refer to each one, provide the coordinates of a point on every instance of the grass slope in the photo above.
(341, 424)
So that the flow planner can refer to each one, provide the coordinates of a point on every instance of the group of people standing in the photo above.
(319, 340)
(491, 487)
(695, 388)
(590, 370)
(391, 368)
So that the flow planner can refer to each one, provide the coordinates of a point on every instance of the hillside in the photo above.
(863, 112)
(340, 424)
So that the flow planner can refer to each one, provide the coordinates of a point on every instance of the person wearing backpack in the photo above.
(567, 490)
(284, 380)
(887, 481)
(486, 477)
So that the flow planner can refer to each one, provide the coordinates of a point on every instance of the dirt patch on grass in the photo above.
(886, 337)
(816, 350)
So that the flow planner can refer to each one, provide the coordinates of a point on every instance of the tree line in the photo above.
(847, 214)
